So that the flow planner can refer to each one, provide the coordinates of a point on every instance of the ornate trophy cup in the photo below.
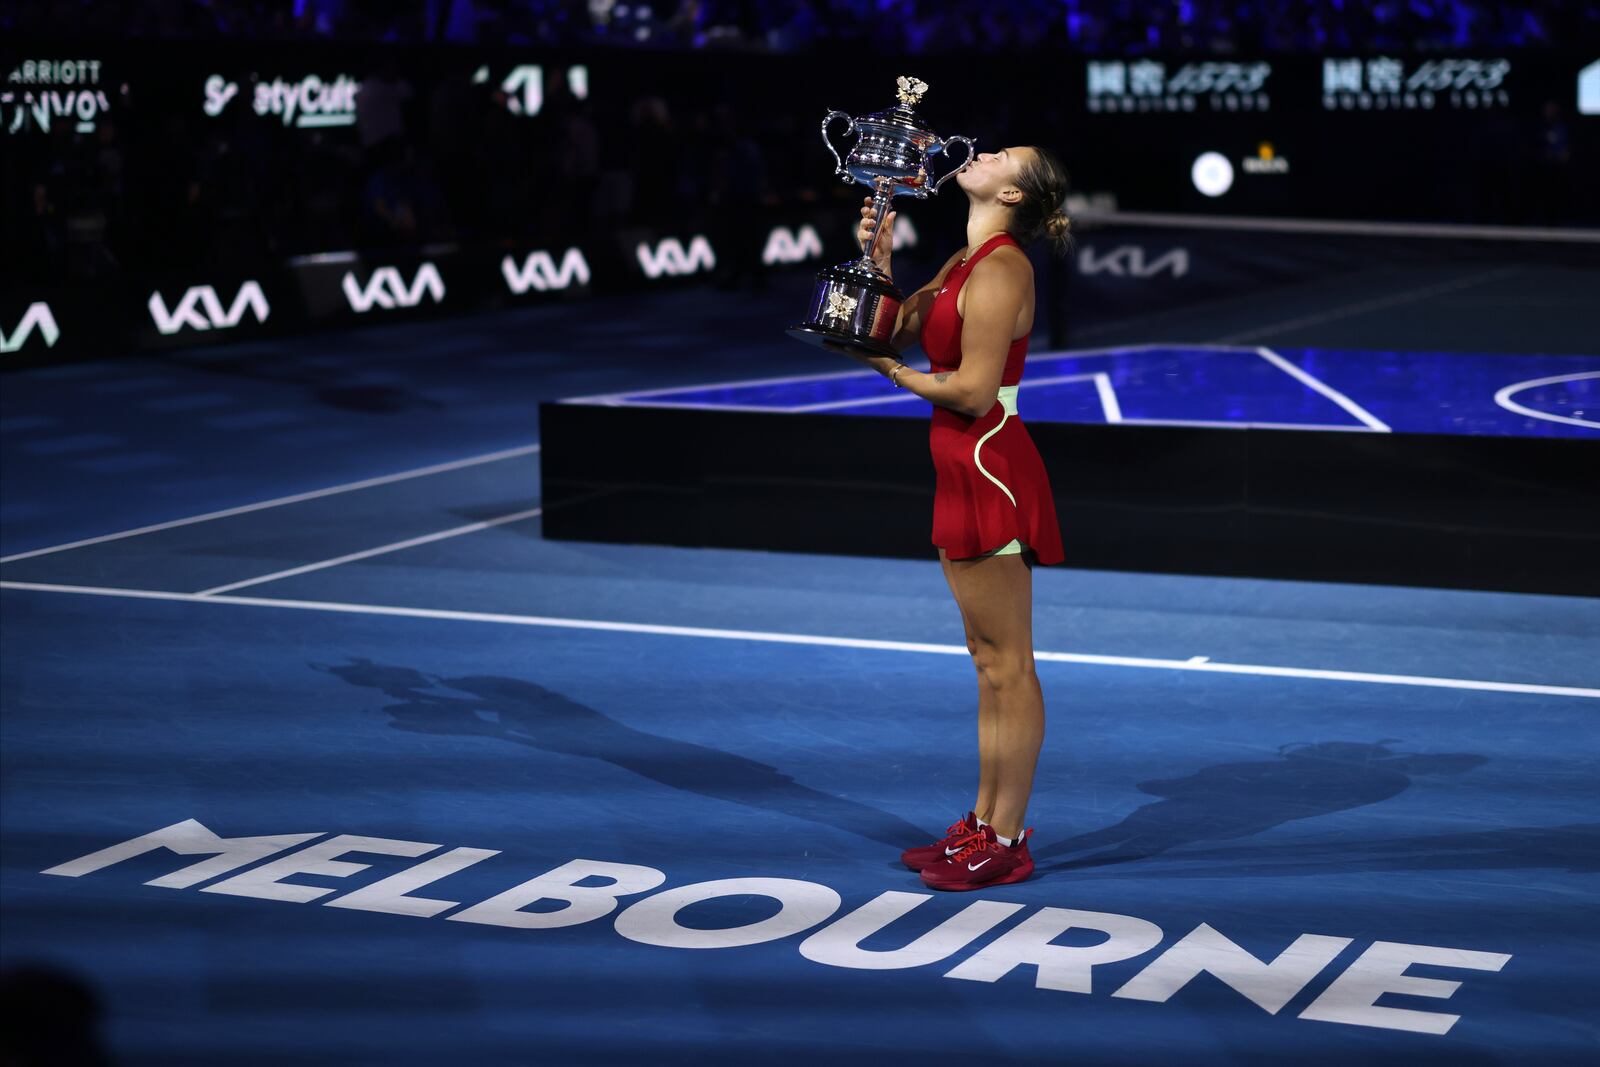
(855, 304)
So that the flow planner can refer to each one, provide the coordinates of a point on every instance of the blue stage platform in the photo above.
(1228, 387)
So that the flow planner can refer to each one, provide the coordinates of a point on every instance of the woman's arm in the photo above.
(996, 292)
(908, 327)
(908, 323)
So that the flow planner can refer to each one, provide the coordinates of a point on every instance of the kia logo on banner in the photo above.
(668, 257)
(539, 271)
(386, 289)
(786, 246)
(1127, 261)
(37, 317)
(200, 309)
(905, 234)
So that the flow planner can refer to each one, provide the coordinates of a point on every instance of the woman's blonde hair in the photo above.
(1042, 210)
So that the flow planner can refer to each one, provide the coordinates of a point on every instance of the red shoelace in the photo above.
(978, 843)
(958, 829)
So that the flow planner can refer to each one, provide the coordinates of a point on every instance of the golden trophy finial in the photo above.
(911, 90)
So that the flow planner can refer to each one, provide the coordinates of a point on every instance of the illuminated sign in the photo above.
(37, 317)
(539, 271)
(1143, 85)
(1382, 83)
(785, 246)
(386, 289)
(905, 234)
(669, 257)
(307, 102)
(1265, 161)
(524, 86)
(1589, 89)
(40, 92)
(1128, 261)
(1212, 174)
(200, 309)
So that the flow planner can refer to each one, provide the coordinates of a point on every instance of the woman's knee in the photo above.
(1002, 668)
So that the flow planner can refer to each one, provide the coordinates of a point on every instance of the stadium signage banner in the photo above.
(234, 867)
(1144, 85)
(306, 102)
(37, 321)
(200, 308)
(1385, 83)
(39, 94)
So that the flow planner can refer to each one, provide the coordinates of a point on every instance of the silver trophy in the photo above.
(855, 304)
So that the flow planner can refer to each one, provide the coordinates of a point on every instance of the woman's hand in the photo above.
(882, 364)
(885, 244)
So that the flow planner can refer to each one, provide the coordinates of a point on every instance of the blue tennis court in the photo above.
(1521, 395)
(371, 772)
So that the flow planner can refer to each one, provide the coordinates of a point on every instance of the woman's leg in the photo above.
(996, 598)
(988, 713)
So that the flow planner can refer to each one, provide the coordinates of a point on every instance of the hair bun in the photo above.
(1057, 224)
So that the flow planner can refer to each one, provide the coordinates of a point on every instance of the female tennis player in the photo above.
(993, 513)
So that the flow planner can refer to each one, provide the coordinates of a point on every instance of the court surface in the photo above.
(341, 619)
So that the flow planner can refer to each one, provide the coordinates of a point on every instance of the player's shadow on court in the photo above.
(512, 709)
(1233, 800)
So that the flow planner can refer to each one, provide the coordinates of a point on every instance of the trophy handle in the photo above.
(942, 146)
(838, 167)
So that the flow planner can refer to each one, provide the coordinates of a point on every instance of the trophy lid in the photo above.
(910, 92)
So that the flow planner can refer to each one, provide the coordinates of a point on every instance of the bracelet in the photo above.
(894, 375)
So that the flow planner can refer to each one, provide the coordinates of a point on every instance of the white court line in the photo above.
(1108, 397)
(1503, 398)
(1404, 296)
(903, 395)
(1217, 424)
(348, 487)
(627, 399)
(1325, 389)
(1191, 664)
(380, 550)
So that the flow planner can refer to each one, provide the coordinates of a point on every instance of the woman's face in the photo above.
(993, 174)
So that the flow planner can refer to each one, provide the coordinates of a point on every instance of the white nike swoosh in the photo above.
(951, 851)
(975, 866)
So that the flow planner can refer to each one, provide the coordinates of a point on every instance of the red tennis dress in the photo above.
(991, 485)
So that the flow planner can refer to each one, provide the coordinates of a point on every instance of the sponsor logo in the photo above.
(386, 289)
(38, 93)
(1212, 174)
(1143, 85)
(1383, 83)
(261, 868)
(975, 866)
(786, 246)
(668, 257)
(37, 317)
(306, 103)
(539, 271)
(1589, 89)
(905, 234)
(523, 88)
(1128, 261)
(200, 309)
(219, 91)
(1265, 161)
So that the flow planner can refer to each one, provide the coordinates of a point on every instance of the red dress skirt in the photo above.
(991, 484)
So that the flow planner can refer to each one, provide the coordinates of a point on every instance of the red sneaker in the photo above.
(954, 838)
(982, 862)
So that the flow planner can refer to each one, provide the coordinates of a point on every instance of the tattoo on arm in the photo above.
(942, 378)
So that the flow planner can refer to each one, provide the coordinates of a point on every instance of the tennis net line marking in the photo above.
(347, 487)
(1200, 664)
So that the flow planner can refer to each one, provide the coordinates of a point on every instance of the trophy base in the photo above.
(817, 335)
